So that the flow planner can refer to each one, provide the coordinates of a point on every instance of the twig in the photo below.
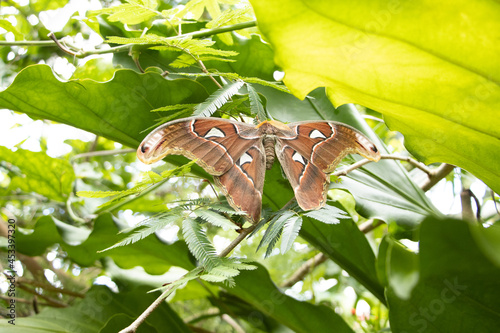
(62, 47)
(237, 240)
(136, 323)
(21, 300)
(228, 319)
(369, 225)
(303, 270)
(437, 174)
(50, 300)
(49, 287)
(125, 48)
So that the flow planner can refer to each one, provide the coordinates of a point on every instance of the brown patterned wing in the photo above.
(215, 143)
(309, 183)
(244, 182)
(313, 152)
(326, 143)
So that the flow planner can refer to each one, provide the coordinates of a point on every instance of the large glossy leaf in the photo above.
(458, 287)
(257, 288)
(118, 109)
(39, 173)
(101, 311)
(82, 246)
(430, 68)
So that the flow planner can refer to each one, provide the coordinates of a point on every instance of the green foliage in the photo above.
(256, 105)
(398, 61)
(37, 172)
(217, 99)
(455, 278)
(148, 179)
(133, 12)
(198, 244)
(100, 308)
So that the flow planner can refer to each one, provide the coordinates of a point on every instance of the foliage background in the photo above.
(388, 259)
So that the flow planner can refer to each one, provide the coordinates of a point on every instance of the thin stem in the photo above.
(136, 323)
(62, 47)
(244, 233)
(442, 171)
(303, 270)
(125, 48)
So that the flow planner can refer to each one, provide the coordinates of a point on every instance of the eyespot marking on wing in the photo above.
(315, 134)
(215, 132)
(245, 158)
(298, 158)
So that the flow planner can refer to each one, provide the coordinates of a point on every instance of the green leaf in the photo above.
(199, 245)
(148, 227)
(290, 232)
(50, 177)
(215, 219)
(153, 255)
(256, 104)
(458, 286)
(97, 69)
(42, 5)
(134, 12)
(4, 24)
(398, 267)
(345, 244)
(328, 214)
(398, 59)
(257, 288)
(273, 231)
(217, 99)
(101, 308)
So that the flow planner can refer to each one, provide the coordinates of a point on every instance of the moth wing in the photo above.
(215, 143)
(313, 152)
(244, 182)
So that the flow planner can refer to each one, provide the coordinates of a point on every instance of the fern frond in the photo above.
(238, 263)
(221, 208)
(256, 106)
(290, 232)
(273, 232)
(199, 245)
(328, 214)
(225, 271)
(149, 178)
(217, 99)
(153, 225)
(215, 219)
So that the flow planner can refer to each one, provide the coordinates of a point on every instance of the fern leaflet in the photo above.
(217, 99)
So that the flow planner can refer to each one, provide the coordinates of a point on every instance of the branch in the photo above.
(434, 175)
(303, 270)
(320, 258)
(125, 48)
(437, 174)
(49, 287)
